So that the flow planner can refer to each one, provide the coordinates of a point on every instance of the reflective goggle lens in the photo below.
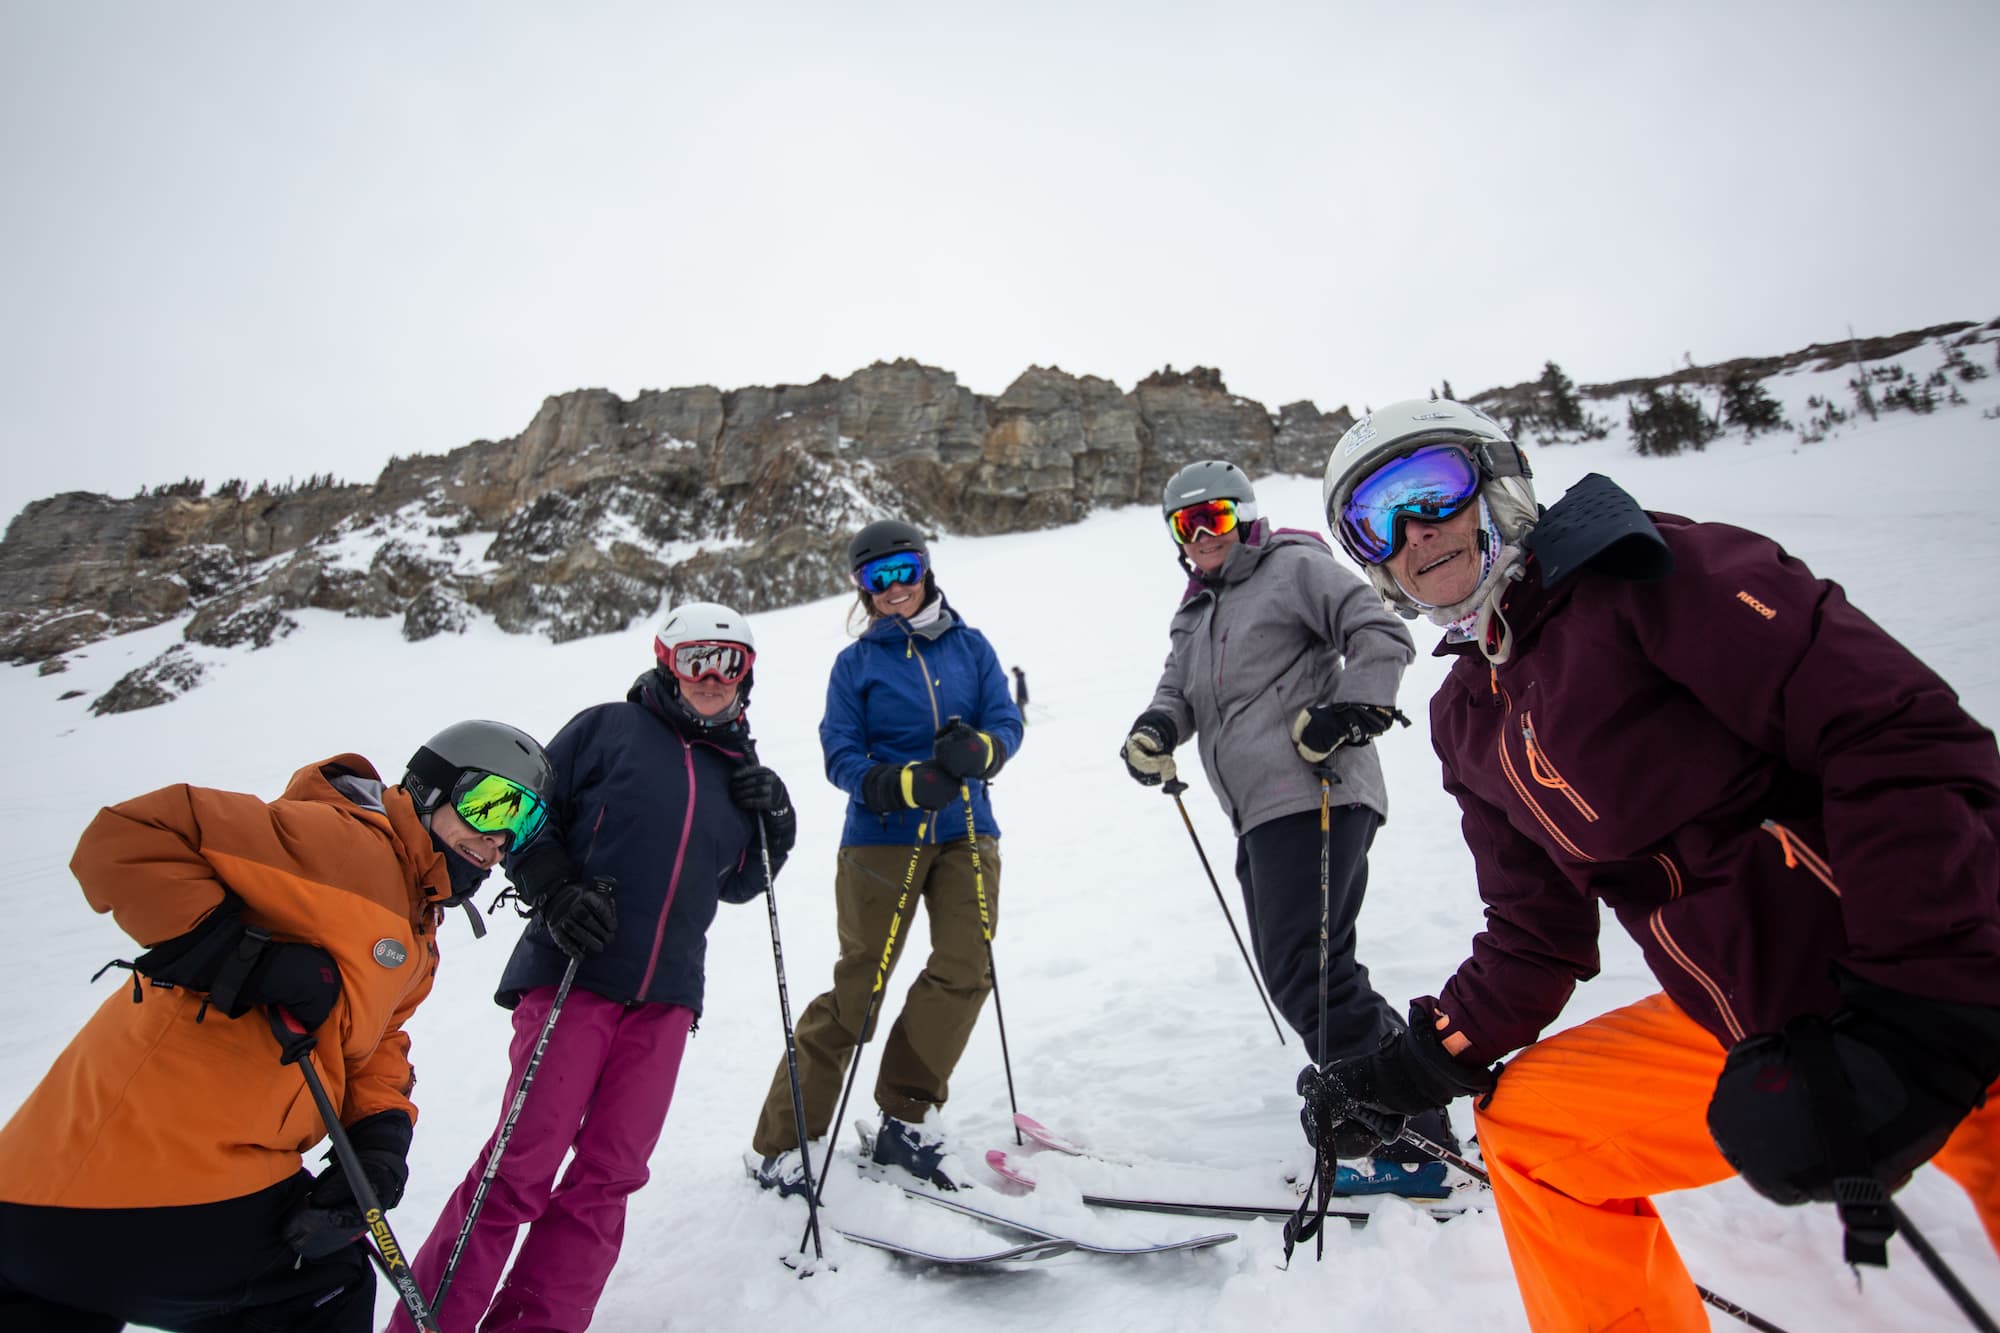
(1189, 521)
(1430, 484)
(718, 658)
(885, 572)
(493, 804)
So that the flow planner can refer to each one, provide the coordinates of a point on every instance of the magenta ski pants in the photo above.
(603, 1089)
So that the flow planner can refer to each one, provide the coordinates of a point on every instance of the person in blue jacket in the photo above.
(658, 801)
(918, 720)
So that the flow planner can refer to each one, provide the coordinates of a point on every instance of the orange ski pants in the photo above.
(1586, 1124)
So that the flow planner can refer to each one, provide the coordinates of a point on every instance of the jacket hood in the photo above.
(343, 781)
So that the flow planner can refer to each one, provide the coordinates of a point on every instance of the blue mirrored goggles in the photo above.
(1429, 484)
(886, 571)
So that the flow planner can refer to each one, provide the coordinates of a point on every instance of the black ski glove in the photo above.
(1148, 751)
(301, 979)
(762, 792)
(889, 789)
(578, 912)
(1323, 728)
(967, 752)
(329, 1218)
(1831, 1108)
(1410, 1073)
(240, 967)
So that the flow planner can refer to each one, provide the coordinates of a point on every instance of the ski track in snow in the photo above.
(1132, 1022)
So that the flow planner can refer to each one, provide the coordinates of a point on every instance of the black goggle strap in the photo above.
(437, 773)
(1502, 458)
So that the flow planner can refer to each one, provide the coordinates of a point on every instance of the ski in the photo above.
(1046, 1248)
(1029, 1228)
(1345, 1207)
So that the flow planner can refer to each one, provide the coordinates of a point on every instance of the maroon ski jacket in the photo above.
(1753, 775)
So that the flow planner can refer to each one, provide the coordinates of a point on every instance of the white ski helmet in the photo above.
(1210, 479)
(1404, 427)
(693, 623)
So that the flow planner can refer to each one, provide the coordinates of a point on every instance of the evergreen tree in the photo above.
(1666, 423)
(1560, 405)
(1746, 403)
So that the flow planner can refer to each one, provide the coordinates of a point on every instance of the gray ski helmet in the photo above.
(1210, 479)
(477, 747)
(885, 536)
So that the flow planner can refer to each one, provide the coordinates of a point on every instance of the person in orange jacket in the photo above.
(155, 1173)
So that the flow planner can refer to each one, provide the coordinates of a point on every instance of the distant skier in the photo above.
(1789, 812)
(916, 709)
(154, 1175)
(1021, 693)
(657, 803)
(1284, 664)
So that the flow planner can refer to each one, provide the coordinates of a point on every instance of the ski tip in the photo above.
(1006, 1170)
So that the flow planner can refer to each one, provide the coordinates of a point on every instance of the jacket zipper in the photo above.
(910, 650)
(1797, 854)
(1544, 773)
(673, 882)
(1527, 797)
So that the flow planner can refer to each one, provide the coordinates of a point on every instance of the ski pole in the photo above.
(986, 929)
(1325, 900)
(1957, 1290)
(500, 1140)
(867, 1016)
(791, 1042)
(297, 1044)
(1174, 787)
(1423, 1143)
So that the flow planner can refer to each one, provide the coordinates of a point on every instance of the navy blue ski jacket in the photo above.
(890, 692)
(642, 795)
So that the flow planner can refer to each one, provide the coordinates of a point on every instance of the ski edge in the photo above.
(1026, 1251)
(1201, 1242)
(1441, 1210)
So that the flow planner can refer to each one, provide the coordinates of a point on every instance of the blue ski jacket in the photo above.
(890, 692)
(642, 795)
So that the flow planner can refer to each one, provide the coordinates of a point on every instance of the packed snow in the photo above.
(1131, 1020)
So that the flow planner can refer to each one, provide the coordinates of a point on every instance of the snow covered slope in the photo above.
(1130, 1019)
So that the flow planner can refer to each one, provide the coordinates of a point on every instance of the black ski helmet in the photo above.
(885, 536)
(477, 747)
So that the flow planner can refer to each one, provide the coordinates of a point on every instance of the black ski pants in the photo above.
(197, 1268)
(1278, 865)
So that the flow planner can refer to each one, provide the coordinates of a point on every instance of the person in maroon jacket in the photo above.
(1791, 814)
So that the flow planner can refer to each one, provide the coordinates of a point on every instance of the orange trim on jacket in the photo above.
(148, 1108)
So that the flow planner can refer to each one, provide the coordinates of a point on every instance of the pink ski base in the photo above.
(1006, 1170)
(1045, 1136)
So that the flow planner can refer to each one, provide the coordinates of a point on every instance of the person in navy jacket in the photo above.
(918, 720)
(659, 801)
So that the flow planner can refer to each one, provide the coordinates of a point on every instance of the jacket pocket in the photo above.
(1544, 773)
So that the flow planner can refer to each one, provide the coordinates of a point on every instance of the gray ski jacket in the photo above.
(1284, 626)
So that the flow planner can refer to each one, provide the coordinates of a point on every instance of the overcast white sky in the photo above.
(272, 240)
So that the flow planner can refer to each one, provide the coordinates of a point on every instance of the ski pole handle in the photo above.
(294, 1042)
(1173, 787)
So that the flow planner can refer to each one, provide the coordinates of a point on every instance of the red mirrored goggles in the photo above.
(1190, 521)
(707, 659)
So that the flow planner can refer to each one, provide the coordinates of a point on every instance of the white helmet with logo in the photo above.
(1401, 428)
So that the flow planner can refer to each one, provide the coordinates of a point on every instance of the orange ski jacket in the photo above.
(148, 1107)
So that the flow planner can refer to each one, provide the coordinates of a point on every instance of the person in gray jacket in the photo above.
(1284, 666)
